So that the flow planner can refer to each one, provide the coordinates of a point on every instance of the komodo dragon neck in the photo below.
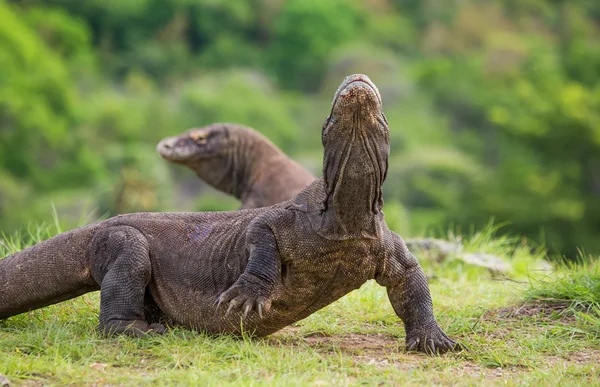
(356, 148)
(249, 155)
(239, 161)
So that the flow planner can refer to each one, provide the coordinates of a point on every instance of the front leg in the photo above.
(409, 294)
(255, 286)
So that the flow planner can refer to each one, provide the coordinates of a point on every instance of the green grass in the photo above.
(518, 333)
(573, 290)
(576, 284)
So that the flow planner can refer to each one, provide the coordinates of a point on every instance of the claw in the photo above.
(247, 308)
(260, 310)
(431, 347)
(411, 346)
(230, 308)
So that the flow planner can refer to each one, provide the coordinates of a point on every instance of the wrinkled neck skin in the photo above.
(353, 196)
(235, 169)
(356, 145)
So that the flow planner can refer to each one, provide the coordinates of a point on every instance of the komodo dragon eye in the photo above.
(199, 138)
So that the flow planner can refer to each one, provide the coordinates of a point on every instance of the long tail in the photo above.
(51, 271)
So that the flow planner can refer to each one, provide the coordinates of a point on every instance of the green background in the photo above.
(494, 106)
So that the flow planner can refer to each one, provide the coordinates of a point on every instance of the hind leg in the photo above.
(122, 268)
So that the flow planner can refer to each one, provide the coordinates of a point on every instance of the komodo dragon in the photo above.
(254, 270)
(239, 161)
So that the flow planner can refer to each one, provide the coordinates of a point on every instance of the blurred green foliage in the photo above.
(494, 106)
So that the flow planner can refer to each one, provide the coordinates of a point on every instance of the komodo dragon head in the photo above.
(355, 138)
(210, 152)
(196, 145)
(226, 156)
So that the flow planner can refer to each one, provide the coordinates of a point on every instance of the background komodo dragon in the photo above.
(284, 262)
(241, 162)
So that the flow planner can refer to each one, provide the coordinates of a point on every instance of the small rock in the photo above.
(4, 381)
(488, 261)
(442, 247)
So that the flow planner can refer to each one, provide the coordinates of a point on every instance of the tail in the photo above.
(51, 271)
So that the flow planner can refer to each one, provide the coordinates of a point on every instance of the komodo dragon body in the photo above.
(269, 266)
(239, 161)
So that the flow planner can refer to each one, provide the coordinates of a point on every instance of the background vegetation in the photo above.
(494, 106)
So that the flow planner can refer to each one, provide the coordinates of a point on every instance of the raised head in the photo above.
(356, 148)
(197, 144)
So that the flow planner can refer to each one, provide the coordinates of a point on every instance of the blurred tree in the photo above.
(535, 126)
(37, 109)
(240, 97)
(304, 36)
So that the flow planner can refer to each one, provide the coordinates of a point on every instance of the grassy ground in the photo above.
(526, 327)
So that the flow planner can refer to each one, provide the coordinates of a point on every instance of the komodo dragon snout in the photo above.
(195, 144)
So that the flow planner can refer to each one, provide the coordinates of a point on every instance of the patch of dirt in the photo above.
(589, 356)
(372, 344)
(378, 349)
(383, 351)
(470, 369)
(546, 310)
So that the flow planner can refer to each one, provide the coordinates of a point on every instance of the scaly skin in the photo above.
(239, 161)
(270, 266)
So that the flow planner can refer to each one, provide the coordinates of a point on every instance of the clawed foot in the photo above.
(241, 298)
(131, 328)
(431, 341)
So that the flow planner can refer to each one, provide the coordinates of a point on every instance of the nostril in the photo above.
(166, 144)
(164, 147)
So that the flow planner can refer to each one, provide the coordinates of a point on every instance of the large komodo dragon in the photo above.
(269, 266)
(241, 162)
